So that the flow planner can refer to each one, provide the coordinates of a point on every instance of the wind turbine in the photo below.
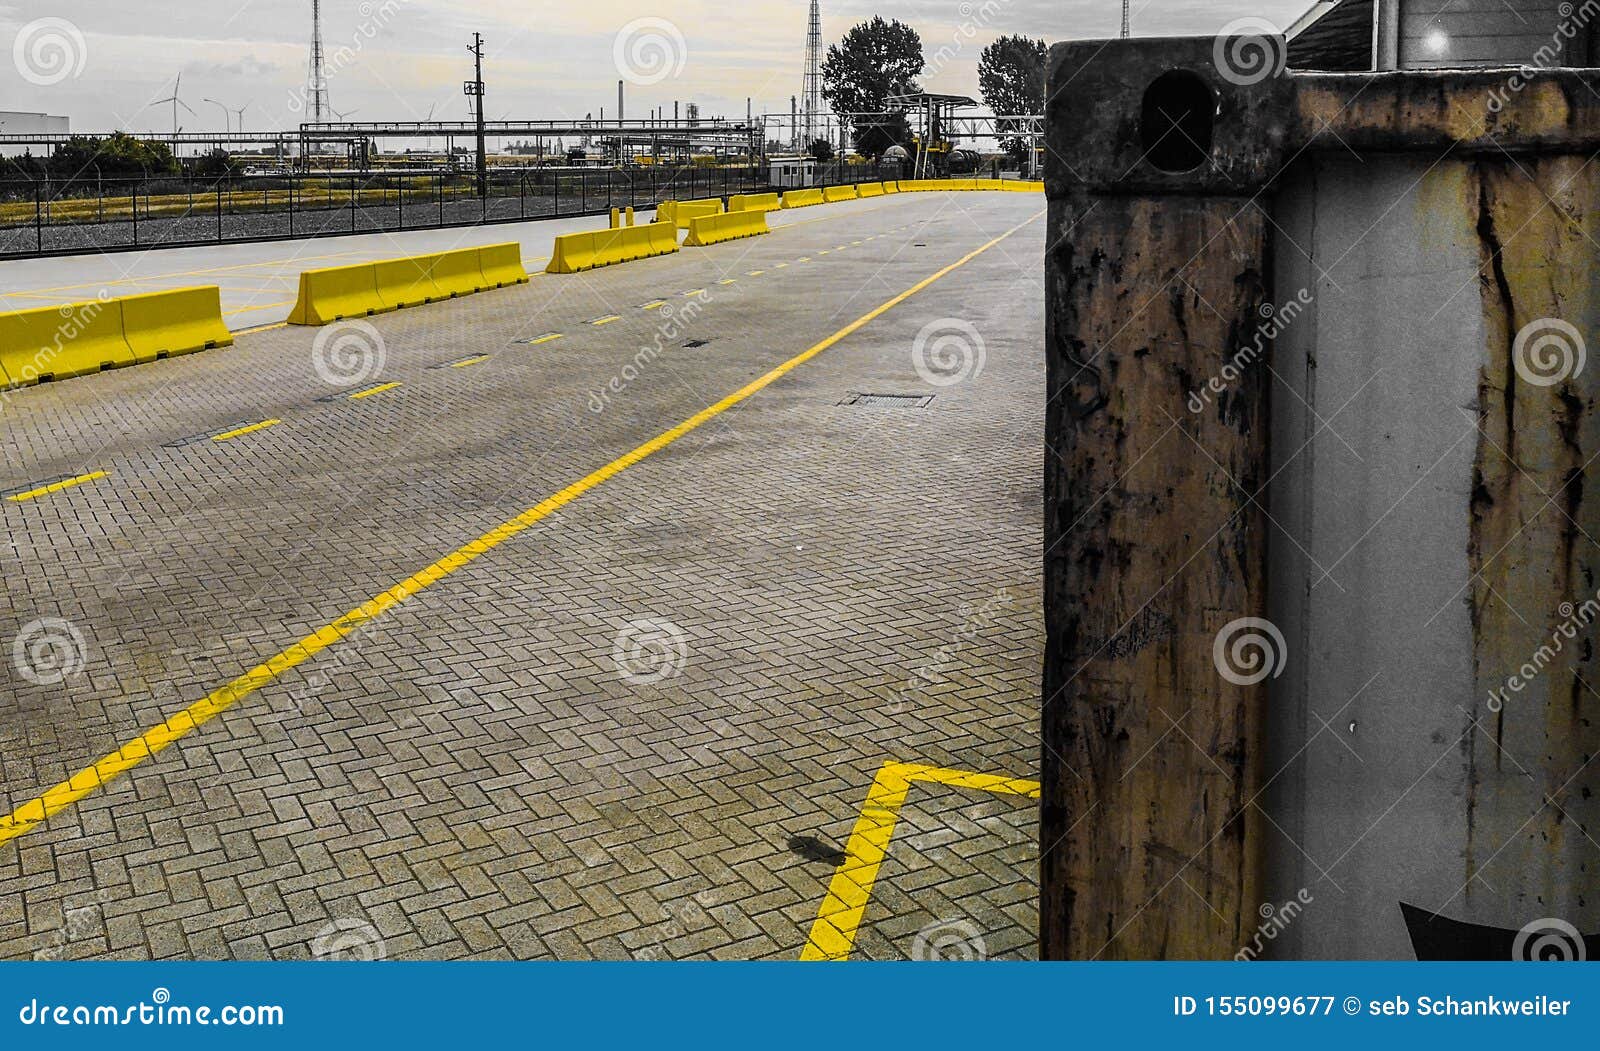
(176, 102)
(240, 113)
(346, 113)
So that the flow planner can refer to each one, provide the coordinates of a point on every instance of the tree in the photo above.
(1011, 80)
(821, 150)
(874, 61)
(117, 154)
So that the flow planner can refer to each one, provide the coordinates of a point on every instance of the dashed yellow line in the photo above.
(833, 934)
(157, 739)
(261, 328)
(694, 292)
(546, 338)
(654, 304)
(464, 362)
(754, 273)
(242, 431)
(370, 391)
(56, 487)
(729, 281)
(606, 320)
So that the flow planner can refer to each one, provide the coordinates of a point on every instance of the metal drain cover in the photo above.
(887, 401)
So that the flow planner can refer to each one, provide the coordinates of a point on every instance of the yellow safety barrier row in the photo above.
(754, 202)
(362, 289)
(801, 198)
(585, 251)
(1016, 185)
(839, 193)
(682, 213)
(75, 339)
(714, 229)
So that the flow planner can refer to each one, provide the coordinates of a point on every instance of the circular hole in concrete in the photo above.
(1178, 121)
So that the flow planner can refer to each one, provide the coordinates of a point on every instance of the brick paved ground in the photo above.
(815, 588)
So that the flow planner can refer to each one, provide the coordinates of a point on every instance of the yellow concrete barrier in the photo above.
(502, 265)
(754, 202)
(839, 193)
(406, 282)
(714, 229)
(869, 189)
(55, 343)
(594, 248)
(682, 213)
(456, 273)
(801, 198)
(891, 186)
(337, 292)
(179, 321)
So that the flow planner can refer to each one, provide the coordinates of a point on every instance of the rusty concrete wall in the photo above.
(1430, 546)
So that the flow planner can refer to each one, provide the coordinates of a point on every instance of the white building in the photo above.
(1445, 34)
(13, 122)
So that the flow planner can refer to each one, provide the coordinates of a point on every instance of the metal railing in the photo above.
(39, 217)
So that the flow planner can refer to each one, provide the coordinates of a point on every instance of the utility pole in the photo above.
(474, 90)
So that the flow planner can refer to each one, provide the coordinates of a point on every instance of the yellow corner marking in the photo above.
(606, 320)
(242, 431)
(833, 934)
(56, 487)
(370, 391)
(155, 740)
(464, 362)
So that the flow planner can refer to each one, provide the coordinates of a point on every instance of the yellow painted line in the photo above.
(729, 281)
(780, 266)
(240, 432)
(656, 304)
(261, 328)
(754, 273)
(259, 306)
(155, 740)
(464, 362)
(823, 252)
(833, 933)
(56, 487)
(803, 259)
(608, 319)
(694, 292)
(546, 338)
(370, 391)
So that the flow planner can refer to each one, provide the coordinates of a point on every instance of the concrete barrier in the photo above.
(801, 198)
(839, 193)
(457, 273)
(405, 282)
(501, 265)
(53, 343)
(335, 293)
(754, 202)
(890, 186)
(573, 253)
(179, 321)
(682, 213)
(869, 189)
(714, 229)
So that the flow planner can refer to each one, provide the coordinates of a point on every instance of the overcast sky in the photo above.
(101, 62)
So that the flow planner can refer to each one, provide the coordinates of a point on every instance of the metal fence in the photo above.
(43, 218)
